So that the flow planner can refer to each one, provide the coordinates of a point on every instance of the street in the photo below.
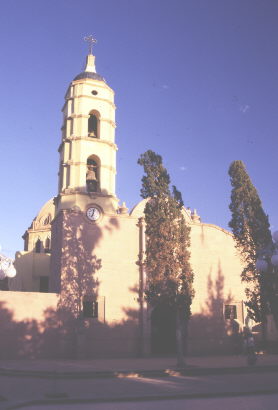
(256, 391)
(239, 403)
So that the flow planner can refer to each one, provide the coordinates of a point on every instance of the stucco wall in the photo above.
(102, 259)
(26, 330)
(216, 264)
(99, 259)
(114, 245)
(217, 283)
(108, 251)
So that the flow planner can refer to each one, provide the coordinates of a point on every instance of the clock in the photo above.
(93, 213)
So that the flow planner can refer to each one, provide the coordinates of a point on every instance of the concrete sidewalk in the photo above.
(32, 383)
(130, 366)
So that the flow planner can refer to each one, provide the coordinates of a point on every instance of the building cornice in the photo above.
(77, 163)
(90, 98)
(203, 224)
(102, 119)
(90, 139)
(98, 83)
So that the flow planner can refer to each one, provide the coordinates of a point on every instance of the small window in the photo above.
(230, 312)
(90, 309)
(94, 92)
(44, 284)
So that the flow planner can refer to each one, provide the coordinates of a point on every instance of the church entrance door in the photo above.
(163, 330)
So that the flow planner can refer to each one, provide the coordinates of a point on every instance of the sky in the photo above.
(195, 81)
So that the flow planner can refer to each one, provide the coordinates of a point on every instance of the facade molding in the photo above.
(78, 163)
(101, 119)
(95, 98)
(98, 83)
(85, 138)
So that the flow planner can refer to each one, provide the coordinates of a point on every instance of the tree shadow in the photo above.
(65, 331)
(67, 334)
(79, 263)
(209, 332)
(17, 338)
(78, 284)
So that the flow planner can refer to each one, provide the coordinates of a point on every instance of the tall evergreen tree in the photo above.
(253, 238)
(169, 274)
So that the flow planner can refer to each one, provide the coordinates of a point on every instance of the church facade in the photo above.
(81, 275)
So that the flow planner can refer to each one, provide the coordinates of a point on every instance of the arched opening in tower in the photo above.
(92, 175)
(93, 125)
(38, 246)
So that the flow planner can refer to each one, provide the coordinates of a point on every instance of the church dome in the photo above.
(88, 74)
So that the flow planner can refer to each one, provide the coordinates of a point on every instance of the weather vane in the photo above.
(91, 40)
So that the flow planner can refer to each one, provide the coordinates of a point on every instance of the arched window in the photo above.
(38, 246)
(92, 175)
(93, 124)
(47, 220)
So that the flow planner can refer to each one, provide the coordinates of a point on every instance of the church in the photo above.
(79, 288)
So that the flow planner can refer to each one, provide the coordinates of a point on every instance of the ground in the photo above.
(208, 382)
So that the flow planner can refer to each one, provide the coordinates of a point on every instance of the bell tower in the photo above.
(86, 200)
(87, 166)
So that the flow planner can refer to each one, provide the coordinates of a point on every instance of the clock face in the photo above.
(93, 213)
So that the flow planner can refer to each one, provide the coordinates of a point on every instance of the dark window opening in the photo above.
(44, 284)
(90, 309)
(38, 246)
(47, 220)
(230, 312)
(47, 246)
(94, 92)
(93, 126)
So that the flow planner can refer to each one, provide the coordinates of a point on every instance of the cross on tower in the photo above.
(91, 40)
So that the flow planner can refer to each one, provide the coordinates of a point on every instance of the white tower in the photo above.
(87, 151)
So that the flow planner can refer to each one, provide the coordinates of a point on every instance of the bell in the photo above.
(91, 175)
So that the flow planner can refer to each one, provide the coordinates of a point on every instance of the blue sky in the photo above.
(195, 81)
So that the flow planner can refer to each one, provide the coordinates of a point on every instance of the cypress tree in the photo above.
(253, 238)
(169, 274)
